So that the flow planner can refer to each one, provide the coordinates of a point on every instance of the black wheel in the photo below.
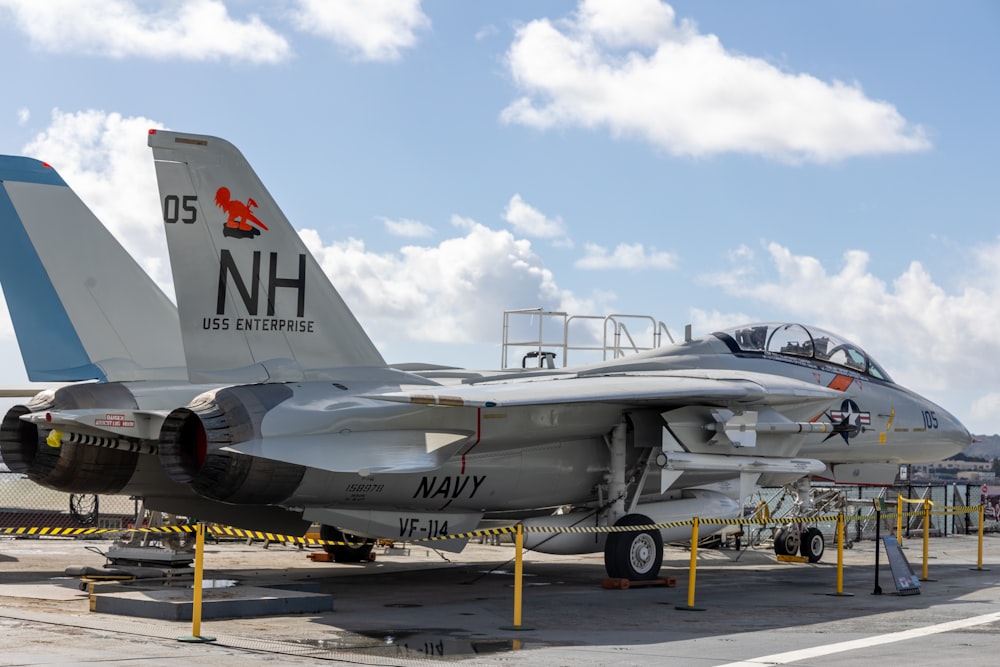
(636, 556)
(786, 541)
(354, 550)
(813, 544)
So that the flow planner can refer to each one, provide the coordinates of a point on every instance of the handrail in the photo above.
(610, 347)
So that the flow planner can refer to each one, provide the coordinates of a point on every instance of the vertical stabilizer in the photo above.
(254, 304)
(82, 308)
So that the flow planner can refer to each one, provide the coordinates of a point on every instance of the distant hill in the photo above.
(986, 447)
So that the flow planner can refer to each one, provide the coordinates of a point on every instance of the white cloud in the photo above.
(628, 66)
(985, 410)
(407, 228)
(706, 321)
(625, 256)
(462, 222)
(103, 157)
(486, 31)
(412, 293)
(643, 23)
(187, 30)
(23, 116)
(529, 221)
(374, 30)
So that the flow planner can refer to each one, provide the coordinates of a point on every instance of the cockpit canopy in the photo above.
(800, 341)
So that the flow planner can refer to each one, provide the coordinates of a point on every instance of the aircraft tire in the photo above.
(787, 541)
(356, 549)
(813, 544)
(636, 556)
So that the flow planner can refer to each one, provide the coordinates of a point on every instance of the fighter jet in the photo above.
(289, 414)
(311, 418)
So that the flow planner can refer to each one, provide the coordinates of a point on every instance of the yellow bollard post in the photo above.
(518, 579)
(694, 560)
(198, 578)
(840, 554)
(982, 520)
(518, 574)
(979, 558)
(927, 534)
(840, 558)
(899, 518)
(692, 570)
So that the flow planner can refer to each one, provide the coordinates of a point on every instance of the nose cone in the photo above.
(951, 435)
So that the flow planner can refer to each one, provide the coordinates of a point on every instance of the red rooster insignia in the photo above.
(240, 215)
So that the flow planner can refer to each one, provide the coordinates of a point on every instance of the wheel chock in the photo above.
(791, 559)
(320, 557)
(618, 584)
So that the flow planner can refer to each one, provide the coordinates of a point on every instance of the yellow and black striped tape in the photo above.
(228, 531)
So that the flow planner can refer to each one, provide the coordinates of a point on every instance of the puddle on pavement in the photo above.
(217, 583)
(420, 643)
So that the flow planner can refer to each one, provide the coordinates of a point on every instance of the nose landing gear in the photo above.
(812, 544)
(808, 542)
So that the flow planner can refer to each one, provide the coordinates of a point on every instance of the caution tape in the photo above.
(762, 518)
(51, 530)
(916, 501)
(226, 531)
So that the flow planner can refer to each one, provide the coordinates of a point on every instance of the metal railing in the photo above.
(549, 340)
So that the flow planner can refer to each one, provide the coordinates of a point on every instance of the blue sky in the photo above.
(704, 163)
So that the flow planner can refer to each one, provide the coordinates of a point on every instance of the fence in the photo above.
(24, 503)
(858, 503)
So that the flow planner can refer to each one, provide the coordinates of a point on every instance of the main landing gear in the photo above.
(354, 550)
(634, 556)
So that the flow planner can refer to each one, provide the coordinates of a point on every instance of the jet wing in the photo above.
(363, 452)
(20, 392)
(661, 389)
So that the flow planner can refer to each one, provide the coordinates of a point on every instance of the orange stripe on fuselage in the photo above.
(840, 382)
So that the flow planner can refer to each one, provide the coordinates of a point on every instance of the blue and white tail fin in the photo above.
(254, 304)
(82, 308)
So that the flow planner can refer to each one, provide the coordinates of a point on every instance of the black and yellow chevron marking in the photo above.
(65, 532)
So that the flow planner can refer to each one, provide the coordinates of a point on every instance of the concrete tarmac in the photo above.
(432, 607)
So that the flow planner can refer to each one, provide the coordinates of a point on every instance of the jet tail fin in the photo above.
(254, 304)
(82, 308)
